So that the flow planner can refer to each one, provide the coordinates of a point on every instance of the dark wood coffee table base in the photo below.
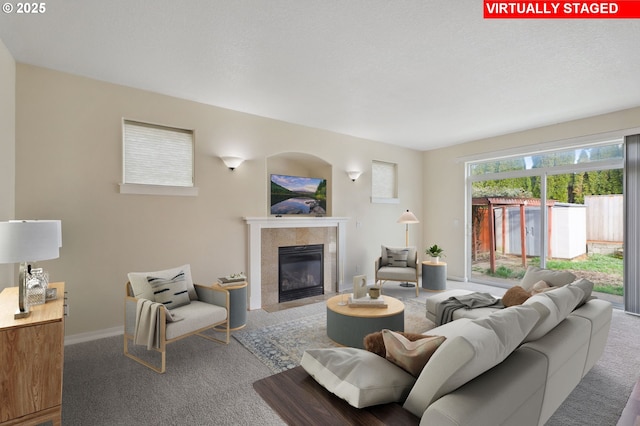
(300, 400)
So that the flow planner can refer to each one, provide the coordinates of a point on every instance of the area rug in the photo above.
(280, 347)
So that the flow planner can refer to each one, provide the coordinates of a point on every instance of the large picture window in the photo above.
(549, 209)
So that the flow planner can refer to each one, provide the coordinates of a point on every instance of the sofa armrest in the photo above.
(212, 295)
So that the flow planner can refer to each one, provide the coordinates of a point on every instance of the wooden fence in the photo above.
(604, 218)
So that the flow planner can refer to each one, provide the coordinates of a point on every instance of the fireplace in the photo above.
(266, 234)
(300, 272)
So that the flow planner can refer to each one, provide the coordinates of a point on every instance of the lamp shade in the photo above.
(232, 162)
(25, 241)
(354, 174)
(408, 217)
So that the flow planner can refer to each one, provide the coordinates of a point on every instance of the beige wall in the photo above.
(68, 158)
(444, 176)
(68, 166)
(7, 148)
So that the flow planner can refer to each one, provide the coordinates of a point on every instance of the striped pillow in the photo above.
(397, 257)
(171, 292)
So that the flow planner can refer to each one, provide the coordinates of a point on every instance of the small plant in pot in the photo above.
(436, 252)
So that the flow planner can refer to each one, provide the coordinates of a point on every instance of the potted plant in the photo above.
(436, 252)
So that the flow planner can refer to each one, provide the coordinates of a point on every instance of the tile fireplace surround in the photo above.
(266, 234)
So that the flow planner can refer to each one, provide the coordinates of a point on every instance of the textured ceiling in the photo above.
(422, 74)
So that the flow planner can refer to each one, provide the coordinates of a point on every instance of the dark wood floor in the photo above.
(300, 400)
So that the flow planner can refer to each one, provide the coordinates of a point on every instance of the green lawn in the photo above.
(605, 271)
(596, 262)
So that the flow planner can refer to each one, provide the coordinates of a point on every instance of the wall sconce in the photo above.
(232, 162)
(353, 175)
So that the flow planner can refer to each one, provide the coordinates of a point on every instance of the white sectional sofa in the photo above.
(513, 366)
(530, 384)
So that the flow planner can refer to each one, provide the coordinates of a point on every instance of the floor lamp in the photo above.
(407, 218)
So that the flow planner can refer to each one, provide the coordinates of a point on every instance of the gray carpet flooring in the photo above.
(211, 384)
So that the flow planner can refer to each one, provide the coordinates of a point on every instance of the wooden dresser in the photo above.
(31, 361)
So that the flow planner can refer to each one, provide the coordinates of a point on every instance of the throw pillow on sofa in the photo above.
(552, 278)
(474, 348)
(516, 295)
(360, 377)
(410, 355)
(541, 287)
(374, 342)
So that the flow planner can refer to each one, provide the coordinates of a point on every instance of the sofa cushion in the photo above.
(479, 345)
(410, 355)
(560, 302)
(141, 287)
(360, 377)
(552, 278)
(586, 286)
(394, 273)
(171, 292)
(516, 295)
(194, 316)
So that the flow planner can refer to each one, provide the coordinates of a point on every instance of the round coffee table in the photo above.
(348, 326)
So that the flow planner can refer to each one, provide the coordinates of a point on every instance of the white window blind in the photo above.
(157, 155)
(384, 187)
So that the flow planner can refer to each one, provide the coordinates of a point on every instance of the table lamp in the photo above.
(23, 241)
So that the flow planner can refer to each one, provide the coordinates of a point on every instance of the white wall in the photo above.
(444, 176)
(7, 149)
(68, 157)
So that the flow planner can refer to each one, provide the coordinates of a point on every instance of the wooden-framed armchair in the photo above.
(148, 322)
(397, 264)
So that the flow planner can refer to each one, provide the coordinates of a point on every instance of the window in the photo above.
(384, 182)
(556, 209)
(157, 160)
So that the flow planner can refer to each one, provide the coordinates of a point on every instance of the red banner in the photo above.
(622, 9)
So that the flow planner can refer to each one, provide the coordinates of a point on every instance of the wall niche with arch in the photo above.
(298, 164)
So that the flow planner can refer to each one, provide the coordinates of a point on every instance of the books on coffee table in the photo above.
(367, 302)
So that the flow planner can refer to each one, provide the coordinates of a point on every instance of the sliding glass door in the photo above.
(558, 209)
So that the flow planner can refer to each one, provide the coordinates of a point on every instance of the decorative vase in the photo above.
(435, 259)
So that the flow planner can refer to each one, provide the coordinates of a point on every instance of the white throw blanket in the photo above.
(147, 330)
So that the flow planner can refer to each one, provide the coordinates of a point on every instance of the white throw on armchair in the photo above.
(164, 306)
(397, 264)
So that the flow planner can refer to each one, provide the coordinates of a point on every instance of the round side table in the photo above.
(434, 276)
(237, 304)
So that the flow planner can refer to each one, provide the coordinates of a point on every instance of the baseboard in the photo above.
(93, 335)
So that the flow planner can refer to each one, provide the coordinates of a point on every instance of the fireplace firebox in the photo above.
(300, 272)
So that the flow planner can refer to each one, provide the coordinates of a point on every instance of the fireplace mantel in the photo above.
(256, 224)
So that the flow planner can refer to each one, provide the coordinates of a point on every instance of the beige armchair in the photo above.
(148, 321)
(397, 264)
